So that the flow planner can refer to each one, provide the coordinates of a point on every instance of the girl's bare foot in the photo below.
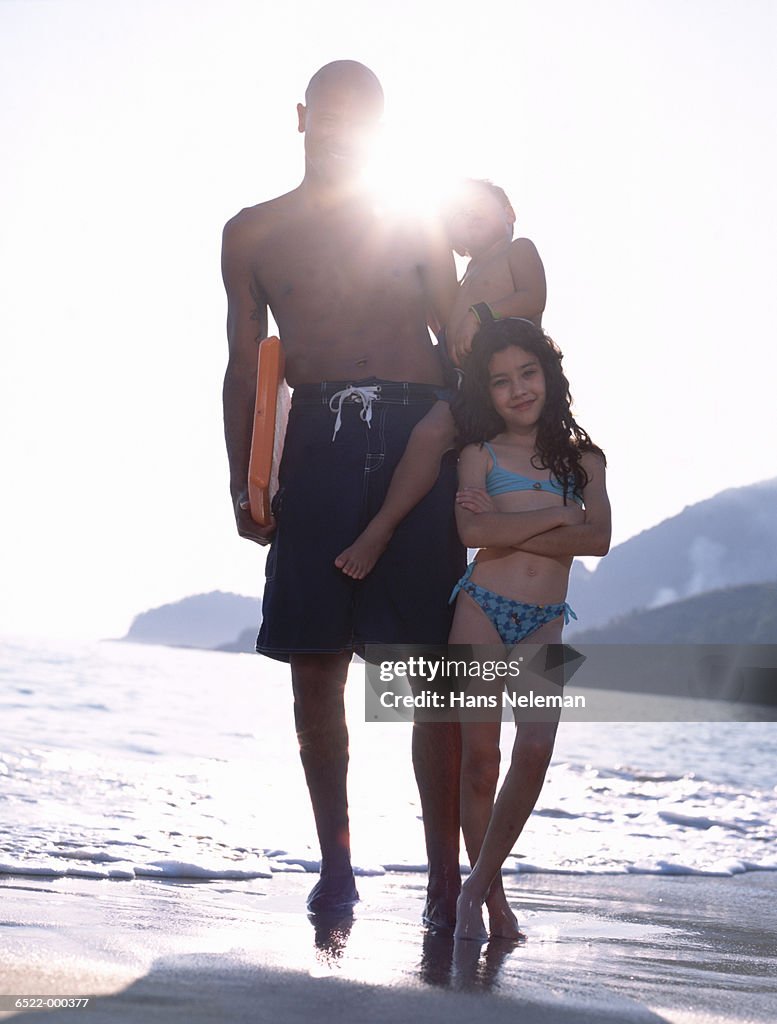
(469, 918)
(359, 559)
(503, 924)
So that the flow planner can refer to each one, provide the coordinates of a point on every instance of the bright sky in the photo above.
(636, 141)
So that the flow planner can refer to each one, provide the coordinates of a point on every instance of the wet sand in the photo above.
(620, 948)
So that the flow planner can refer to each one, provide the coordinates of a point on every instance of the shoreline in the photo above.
(681, 949)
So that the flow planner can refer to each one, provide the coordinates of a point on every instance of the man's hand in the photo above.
(246, 526)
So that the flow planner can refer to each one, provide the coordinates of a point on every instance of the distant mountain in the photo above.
(203, 620)
(725, 541)
(244, 644)
(716, 546)
(735, 615)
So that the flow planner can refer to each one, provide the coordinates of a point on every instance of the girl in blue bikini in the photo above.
(532, 495)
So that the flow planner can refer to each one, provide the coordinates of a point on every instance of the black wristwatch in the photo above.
(483, 312)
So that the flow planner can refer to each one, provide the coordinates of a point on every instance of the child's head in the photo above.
(478, 216)
(560, 440)
(497, 337)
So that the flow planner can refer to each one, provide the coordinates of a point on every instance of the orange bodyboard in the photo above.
(271, 414)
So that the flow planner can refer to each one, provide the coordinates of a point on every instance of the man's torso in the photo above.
(346, 290)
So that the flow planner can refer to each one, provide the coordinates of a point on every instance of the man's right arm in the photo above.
(246, 327)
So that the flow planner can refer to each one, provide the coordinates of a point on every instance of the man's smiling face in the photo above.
(339, 122)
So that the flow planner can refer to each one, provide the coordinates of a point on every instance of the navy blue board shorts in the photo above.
(329, 489)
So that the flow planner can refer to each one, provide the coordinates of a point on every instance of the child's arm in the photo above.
(498, 529)
(528, 275)
(589, 538)
(527, 299)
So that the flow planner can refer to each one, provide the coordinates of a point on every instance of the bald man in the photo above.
(352, 293)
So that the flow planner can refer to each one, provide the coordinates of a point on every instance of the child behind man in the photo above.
(505, 273)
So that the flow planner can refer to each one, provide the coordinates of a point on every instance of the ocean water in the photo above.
(122, 761)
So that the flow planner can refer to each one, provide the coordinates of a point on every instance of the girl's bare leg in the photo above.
(413, 478)
(529, 762)
(480, 772)
(479, 778)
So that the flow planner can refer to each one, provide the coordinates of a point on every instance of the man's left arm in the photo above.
(438, 274)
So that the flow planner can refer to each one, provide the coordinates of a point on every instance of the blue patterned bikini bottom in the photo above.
(513, 620)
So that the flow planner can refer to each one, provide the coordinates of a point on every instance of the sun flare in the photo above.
(405, 177)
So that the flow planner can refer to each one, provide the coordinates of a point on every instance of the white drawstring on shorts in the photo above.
(366, 395)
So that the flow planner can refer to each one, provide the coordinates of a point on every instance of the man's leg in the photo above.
(437, 764)
(318, 681)
(405, 600)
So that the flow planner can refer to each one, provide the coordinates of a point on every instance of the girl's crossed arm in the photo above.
(591, 537)
(478, 529)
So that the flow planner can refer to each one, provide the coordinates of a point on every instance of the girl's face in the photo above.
(517, 386)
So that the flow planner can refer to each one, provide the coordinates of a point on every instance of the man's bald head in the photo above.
(342, 111)
(350, 76)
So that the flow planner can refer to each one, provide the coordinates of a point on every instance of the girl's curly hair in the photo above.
(560, 440)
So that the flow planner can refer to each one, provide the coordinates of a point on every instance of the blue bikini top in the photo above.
(502, 481)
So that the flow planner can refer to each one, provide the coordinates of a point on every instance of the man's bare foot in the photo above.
(469, 918)
(333, 893)
(359, 559)
(440, 911)
(502, 922)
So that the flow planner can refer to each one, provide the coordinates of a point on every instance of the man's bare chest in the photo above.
(341, 260)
